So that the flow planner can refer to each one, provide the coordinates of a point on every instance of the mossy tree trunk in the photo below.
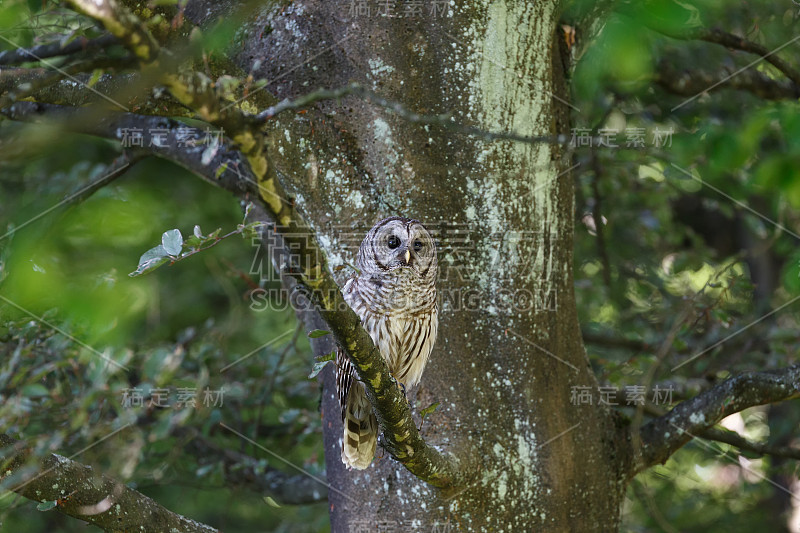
(509, 350)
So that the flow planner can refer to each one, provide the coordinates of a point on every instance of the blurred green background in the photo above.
(678, 257)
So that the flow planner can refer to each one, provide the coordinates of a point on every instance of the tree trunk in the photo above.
(509, 350)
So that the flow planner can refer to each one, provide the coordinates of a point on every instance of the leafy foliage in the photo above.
(698, 245)
(699, 241)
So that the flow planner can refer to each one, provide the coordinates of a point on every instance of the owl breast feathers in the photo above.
(394, 294)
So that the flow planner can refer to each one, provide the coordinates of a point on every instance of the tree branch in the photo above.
(193, 89)
(44, 51)
(245, 471)
(401, 437)
(191, 148)
(735, 42)
(600, 339)
(734, 439)
(715, 36)
(662, 436)
(122, 24)
(228, 169)
(444, 121)
(40, 79)
(82, 493)
(693, 82)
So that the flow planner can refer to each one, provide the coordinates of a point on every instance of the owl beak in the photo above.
(408, 257)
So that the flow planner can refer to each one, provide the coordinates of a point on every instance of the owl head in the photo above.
(397, 242)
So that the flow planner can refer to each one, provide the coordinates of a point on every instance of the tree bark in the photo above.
(509, 349)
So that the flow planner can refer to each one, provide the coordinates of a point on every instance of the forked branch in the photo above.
(661, 437)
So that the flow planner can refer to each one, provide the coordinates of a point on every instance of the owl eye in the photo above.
(418, 246)
(393, 241)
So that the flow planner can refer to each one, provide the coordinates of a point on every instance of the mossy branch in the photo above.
(79, 491)
(229, 170)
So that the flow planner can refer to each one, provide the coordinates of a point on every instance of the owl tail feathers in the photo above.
(360, 430)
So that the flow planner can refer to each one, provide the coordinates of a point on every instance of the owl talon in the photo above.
(400, 386)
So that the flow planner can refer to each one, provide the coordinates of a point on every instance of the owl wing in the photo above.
(345, 371)
(360, 427)
(359, 424)
(345, 375)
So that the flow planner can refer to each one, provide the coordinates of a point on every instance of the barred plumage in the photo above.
(395, 296)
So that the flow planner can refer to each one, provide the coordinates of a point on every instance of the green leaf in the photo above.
(271, 502)
(194, 242)
(251, 230)
(428, 410)
(148, 266)
(317, 368)
(46, 506)
(220, 169)
(150, 260)
(329, 357)
(205, 469)
(96, 75)
(172, 241)
(318, 333)
(153, 253)
(34, 390)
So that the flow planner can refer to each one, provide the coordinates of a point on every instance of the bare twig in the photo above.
(270, 388)
(734, 439)
(616, 342)
(445, 121)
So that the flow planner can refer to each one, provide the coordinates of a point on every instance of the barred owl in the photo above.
(394, 294)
